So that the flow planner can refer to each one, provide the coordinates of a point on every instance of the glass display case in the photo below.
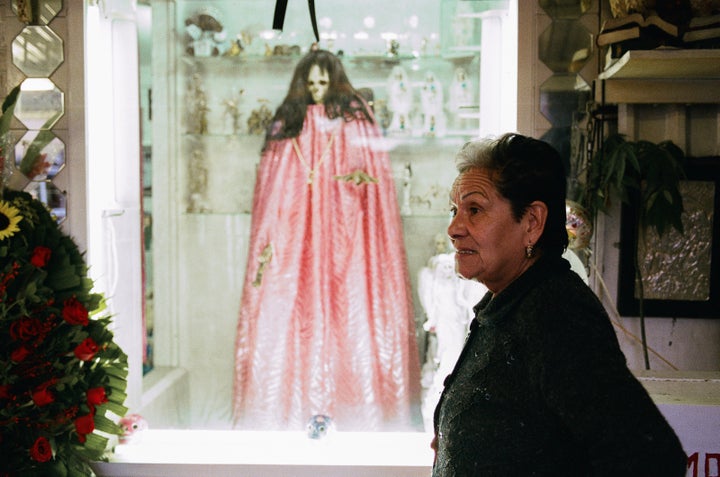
(419, 63)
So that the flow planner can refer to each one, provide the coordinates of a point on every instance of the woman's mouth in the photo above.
(464, 252)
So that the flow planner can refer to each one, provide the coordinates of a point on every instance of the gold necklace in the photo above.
(311, 171)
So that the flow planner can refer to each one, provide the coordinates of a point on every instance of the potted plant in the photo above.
(63, 378)
(640, 173)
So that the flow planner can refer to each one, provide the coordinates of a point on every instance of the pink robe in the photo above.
(326, 323)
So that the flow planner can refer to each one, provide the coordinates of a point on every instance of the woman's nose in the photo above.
(455, 228)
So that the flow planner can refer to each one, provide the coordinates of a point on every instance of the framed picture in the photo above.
(680, 272)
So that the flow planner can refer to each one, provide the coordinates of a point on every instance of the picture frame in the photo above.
(681, 272)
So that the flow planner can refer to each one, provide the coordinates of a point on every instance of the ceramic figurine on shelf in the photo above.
(319, 426)
(259, 119)
(207, 37)
(132, 426)
(393, 48)
(407, 177)
(432, 102)
(460, 97)
(447, 300)
(232, 110)
(198, 106)
(400, 100)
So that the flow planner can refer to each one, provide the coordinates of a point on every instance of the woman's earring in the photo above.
(529, 251)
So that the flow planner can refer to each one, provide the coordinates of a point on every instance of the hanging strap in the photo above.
(279, 18)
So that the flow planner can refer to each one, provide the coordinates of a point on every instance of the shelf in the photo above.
(662, 76)
(463, 54)
(665, 64)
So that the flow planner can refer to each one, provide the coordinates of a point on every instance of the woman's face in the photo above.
(318, 82)
(489, 242)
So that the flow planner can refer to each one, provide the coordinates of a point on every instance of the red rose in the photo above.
(25, 329)
(42, 397)
(96, 396)
(74, 312)
(84, 425)
(4, 391)
(19, 354)
(86, 350)
(41, 450)
(40, 256)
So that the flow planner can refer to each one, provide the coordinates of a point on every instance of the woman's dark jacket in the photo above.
(542, 389)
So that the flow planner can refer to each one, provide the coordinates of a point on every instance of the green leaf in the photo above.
(96, 443)
(8, 109)
(103, 424)
(115, 408)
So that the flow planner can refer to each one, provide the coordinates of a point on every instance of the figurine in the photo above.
(132, 425)
(307, 317)
(431, 99)
(399, 100)
(198, 107)
(407, 176)
(319, 426)
(259, 119)
(207, 37)
(461, 96)
(232, 109)
(447, 300)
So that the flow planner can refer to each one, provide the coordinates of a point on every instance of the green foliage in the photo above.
(638, 170)
(41, 350)
(8, 108)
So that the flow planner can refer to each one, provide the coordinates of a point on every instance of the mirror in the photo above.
(49, 194)
(40, 104)
(38, 13)
(37, 51)
(562, 102)
(565, 46)
(565, 9)
(48, 155)
(561, 96)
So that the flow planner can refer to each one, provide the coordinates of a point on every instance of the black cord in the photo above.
(279, 17)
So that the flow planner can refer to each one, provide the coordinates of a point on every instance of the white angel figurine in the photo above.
(461, 96)
(400, 100)
(447, 300)
(432, 102)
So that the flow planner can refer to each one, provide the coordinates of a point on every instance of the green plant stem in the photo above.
(641, 295)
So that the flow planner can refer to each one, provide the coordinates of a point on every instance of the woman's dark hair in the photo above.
(524, 170)
(341, 99)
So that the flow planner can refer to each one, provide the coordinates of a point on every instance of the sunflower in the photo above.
(9, 219)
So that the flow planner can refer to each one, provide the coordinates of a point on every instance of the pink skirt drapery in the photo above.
(326, 323)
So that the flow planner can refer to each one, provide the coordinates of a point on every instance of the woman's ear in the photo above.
(536, 216)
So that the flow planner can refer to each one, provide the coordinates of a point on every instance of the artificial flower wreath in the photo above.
(62, 377)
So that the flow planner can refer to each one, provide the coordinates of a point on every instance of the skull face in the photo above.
(318, 82)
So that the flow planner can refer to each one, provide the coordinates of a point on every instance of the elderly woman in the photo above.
(541, 387)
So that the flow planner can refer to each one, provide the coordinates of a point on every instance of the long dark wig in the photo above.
(341, 100)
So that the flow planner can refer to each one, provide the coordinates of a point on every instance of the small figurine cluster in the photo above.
(206, 36)
(434, 114)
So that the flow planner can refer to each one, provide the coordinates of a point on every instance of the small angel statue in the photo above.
(400, 100)
(447, 300)
(431, 100)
